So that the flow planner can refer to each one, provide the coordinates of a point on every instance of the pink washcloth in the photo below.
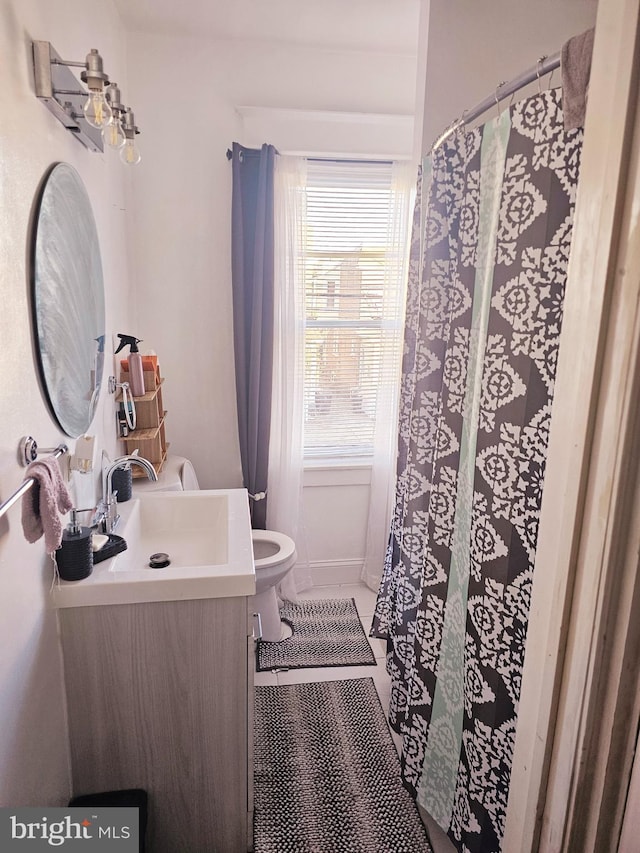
(44, 502)
(576, 70)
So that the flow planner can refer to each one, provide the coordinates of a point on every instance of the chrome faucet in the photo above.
(108, 505)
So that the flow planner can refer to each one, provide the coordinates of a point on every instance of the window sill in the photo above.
(337, 472)
(336, 463)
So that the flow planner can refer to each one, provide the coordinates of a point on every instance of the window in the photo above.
(354, 271)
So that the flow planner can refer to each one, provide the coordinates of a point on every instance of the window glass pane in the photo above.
(353, 289)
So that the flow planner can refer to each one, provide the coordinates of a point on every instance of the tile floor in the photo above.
(365, 601)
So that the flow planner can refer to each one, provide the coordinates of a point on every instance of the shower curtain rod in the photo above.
(545, 65)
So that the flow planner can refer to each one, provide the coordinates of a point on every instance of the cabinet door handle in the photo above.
(258, 636)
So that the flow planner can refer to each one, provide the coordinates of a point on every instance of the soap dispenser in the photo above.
(74, 557)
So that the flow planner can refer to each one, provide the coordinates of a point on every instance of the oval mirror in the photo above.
(68, 300)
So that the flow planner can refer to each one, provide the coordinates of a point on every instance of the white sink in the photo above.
(190, 527)
(206, 536)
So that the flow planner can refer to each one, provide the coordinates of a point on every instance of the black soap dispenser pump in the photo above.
(74, 557)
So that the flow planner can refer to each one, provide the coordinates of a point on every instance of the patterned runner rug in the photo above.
(326, 632)
(327, 775)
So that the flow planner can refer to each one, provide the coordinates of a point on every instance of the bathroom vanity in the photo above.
(160, 692)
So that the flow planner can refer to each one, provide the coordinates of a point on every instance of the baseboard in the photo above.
(331, 572)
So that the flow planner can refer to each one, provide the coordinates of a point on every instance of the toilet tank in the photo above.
(188, 476)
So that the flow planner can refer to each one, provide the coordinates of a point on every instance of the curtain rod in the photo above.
(246, 152)
(384, 160)
(545, 65)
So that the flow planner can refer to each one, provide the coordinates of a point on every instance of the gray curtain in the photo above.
(252, 281)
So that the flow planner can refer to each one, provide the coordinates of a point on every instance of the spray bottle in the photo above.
(136, 374)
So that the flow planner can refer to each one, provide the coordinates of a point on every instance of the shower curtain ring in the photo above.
(538, 65)
(498, 87)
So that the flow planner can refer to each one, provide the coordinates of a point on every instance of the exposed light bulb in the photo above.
(97, 110)
(113, 134)
(129, 153)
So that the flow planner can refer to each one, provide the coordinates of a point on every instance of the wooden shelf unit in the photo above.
(149, 436)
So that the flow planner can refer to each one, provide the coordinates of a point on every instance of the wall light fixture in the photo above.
(94, 115)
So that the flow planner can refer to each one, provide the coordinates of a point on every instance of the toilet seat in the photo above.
(281, 550)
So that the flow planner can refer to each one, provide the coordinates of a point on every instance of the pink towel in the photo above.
(44, 502)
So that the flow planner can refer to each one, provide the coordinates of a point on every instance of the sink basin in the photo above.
(206, 536)
(191, 528)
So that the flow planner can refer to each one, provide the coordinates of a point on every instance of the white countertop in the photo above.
(111, 583)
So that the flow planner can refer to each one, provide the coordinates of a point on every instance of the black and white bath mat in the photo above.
(327, 775)
(326, 632)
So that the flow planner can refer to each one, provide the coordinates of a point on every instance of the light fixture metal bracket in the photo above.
(59, 89)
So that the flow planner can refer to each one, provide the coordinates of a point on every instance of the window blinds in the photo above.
(354, 270)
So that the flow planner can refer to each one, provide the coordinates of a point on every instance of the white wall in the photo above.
(182, 246)
(335, 512)
(33, 736)
(196, 96)
(472, 47)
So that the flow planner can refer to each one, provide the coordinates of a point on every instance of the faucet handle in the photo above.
(100, 516)
(112, 516)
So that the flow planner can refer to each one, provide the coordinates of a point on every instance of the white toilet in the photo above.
(274, 554)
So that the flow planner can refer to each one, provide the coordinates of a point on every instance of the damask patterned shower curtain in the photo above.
(490, 247)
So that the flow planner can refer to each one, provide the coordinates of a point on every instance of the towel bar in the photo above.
(29, 453)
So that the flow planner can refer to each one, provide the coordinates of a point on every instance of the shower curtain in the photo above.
(490, 247)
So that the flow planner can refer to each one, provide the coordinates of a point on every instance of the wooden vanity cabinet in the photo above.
(158, 698)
